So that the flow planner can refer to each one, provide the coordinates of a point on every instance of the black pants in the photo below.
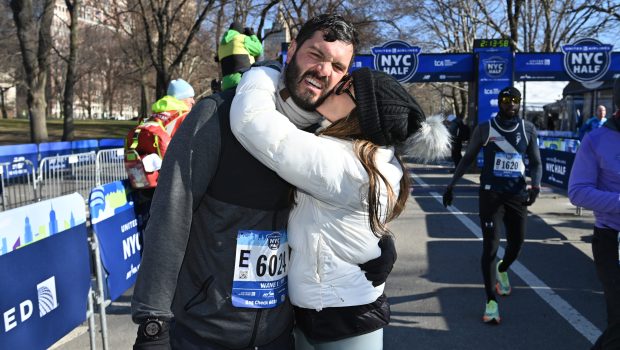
(605, 251)
(495, 208)
(456, 155)
(183, 338)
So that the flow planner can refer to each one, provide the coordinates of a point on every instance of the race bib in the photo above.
(508, 165)
(261, 269)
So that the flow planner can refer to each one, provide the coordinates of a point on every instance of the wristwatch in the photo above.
(152, 328)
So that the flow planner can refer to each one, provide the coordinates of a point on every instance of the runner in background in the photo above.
(505, 140)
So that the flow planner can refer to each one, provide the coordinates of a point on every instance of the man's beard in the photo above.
(292, 81)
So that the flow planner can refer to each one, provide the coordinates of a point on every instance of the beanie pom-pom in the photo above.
(430, 143)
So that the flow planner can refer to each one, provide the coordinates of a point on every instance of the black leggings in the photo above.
(605, 251)
(496, 207)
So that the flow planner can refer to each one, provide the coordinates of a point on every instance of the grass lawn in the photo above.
(16, 131)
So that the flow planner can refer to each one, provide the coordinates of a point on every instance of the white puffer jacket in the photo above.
(328, 228)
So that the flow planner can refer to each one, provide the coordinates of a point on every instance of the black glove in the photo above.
(448, 197)
(248, 31)
(532, 194)
(159, 342)
(216, 59)
(378, 269)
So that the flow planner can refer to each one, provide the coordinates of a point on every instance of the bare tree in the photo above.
(168, 23)
(68, 129)
(547, 23)
(9, 57)
(33, 30)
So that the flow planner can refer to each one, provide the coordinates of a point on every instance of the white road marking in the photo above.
(577, 320)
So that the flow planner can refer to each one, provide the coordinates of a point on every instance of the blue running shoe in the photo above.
(491, 313)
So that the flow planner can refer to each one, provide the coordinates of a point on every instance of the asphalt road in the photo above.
(436, 287)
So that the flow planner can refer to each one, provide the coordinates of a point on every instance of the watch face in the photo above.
(152, 328)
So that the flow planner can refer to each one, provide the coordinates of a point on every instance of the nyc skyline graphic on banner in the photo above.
(107, 200)
(28, 224)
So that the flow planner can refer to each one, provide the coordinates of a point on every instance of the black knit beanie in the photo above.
(386, 112)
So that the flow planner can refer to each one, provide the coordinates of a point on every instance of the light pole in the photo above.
(524, 50)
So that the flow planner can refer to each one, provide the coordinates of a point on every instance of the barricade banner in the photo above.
(45, 283)
(111, 143)
(18, 155)
(51, 149)
(83, 146)
(115, 224)
(31, 223)
(556, 167)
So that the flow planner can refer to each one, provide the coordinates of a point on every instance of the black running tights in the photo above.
(495, 208)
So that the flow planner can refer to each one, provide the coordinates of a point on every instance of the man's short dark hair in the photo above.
(335, 27)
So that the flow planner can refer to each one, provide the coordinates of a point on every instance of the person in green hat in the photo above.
(238, 50)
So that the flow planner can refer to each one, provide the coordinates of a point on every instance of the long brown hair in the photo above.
(349, 129)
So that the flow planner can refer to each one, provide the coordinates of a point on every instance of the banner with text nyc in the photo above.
(114, 222)
(44, 272)
(493, 66)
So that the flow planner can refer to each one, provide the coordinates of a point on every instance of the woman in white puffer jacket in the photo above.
(349, 183)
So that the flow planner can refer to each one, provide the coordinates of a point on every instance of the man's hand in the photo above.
(448, 197)
(378, 269)
(532, 194)
(159, 342)
(248, 31)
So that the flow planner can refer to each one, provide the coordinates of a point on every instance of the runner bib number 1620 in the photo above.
(508, 165)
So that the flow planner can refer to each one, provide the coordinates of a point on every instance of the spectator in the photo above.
(238, 50)
(459, 133)
(594, 184)
(595, 122)
(146, 144)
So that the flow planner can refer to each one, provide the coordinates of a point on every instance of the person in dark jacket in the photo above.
(217, 223)
(238, 50)
(459, 133)
(594, 184)
(505, 141)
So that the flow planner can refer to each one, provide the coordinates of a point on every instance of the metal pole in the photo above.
(90, 314)
(100, 292)
(525, 49)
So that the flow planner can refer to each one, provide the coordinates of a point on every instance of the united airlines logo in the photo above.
(397, 59)
(273, 240)
(495, 66)
(587, 60)
(46, 291)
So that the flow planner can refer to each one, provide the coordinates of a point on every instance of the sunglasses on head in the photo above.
(508, 99)
(344, 86)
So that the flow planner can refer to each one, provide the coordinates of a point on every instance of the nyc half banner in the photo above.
(115, 224)
(45, 282)
(586, 61)
(556, 167)
(408, 64)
